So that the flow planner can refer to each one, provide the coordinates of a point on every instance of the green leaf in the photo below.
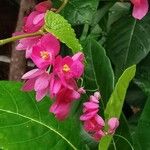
(142, 78)
(115, 103)
(60, 28)
(121, 140)
(104, 142)
(80, 12)
(141, 136)
(128, 42)
(27, 124)
(117, 11)
(99, 68)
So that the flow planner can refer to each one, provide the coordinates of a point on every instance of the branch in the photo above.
(14, 38)
(62, 6)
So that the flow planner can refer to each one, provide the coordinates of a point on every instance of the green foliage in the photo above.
(114, 43)
(142, 78)
(141, 136)
(99, 68)
(26, 124)
(60, 27)
(128, 42)
(79, 11)
(115, 103)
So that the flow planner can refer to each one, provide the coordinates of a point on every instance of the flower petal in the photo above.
(140, 8)
(42, 82)
(32, 74)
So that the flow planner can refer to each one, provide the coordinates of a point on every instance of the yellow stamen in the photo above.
(66, 68)
(44, 55)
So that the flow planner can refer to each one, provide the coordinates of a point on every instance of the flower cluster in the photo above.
(94, 123)
(55, 75)
(32, 23)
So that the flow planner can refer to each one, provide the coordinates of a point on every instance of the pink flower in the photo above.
(69, 67)
(43, 6)
(98, 135)
(55, 85)
(140, 8)
(27, 44)
(90, 109)
(61, 107)
(34, 22)
(93, 123)
(37, 80)
(43, 54)
(36, 19)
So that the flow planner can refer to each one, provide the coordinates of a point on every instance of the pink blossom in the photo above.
(55, 85)
(27, 44)
(37, 80)
(98, 135)
(69, 67)
(35, 20)
(140, 8)
(90, 109)
(43, 54)
(62, 105)
(94, 123)
(43, 6)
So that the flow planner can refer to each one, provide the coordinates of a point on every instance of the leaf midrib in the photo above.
(128, 47)
(41, 123)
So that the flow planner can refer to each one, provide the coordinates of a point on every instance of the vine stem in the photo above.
(14, 38)
(62, 6)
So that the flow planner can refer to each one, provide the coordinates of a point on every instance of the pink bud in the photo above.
(113, 124)
(93, 99)
(81, 90)
(97, 95)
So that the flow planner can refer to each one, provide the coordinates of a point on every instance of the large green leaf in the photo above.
(142, 78)
(115, 103)
(79, 11)
(26, 124)
(99, 68)
(128, 42)
(141, 136)
(60, 28)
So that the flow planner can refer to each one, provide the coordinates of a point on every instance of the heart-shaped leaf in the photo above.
(128, 42)
(26, 124)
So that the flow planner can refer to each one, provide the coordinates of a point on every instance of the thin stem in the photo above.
(114, 144)
(62, 6)
(125, 140)
(14, 38)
